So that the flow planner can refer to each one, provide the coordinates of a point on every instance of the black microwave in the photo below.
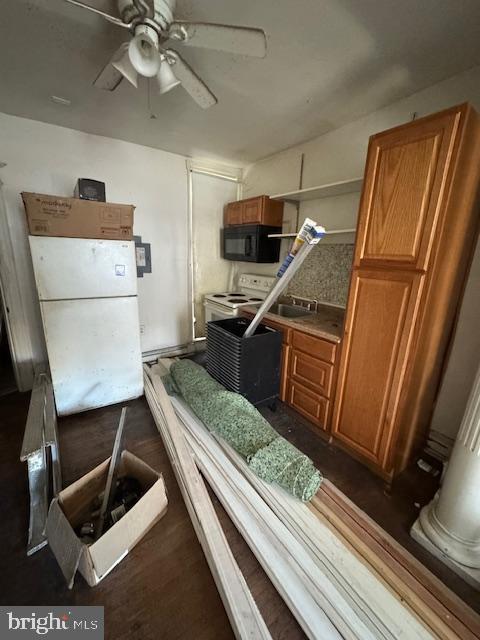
(250, 243)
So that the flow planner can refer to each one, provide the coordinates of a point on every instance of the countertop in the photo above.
(327, 323)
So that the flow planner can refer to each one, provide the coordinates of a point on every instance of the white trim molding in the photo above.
(16, 321)
(214, 170)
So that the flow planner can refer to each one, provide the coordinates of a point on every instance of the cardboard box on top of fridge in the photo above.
(74, 218)
(72, 507)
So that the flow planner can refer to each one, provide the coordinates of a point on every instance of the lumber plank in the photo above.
(415, 567)
(375, 558)
(243, 613)
(407, 571)
(265, 543)
(357, 585)
(380, 588)
(382, 613)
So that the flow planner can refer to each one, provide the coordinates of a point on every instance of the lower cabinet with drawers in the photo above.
(310, 404)
(308, 373)
(310, 377)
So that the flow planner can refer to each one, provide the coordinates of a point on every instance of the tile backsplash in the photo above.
(325, 274)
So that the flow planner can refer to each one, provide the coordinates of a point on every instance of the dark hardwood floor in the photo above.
(163, 588)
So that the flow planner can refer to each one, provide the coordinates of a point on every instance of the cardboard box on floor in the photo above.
(71, 508)
(75, 218)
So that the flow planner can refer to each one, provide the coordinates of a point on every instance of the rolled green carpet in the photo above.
(284, 464)
(228, 414)
(235, 419)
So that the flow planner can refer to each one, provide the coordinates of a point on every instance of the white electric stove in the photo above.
(252, 290)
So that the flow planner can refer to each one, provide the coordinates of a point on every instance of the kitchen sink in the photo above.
(290, 310)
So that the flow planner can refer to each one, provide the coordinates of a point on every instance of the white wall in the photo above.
(340, 155)
(48, 159)
(463, 361)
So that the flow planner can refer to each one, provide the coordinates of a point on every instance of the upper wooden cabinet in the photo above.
(259, 210)
(407, 169)
(234, 213)
(418, 224)
(254, 211)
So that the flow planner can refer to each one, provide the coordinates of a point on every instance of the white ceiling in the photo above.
(329, 62)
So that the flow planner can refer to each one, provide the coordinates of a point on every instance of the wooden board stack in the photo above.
(335, 583)
(240, 606)
(424, 593)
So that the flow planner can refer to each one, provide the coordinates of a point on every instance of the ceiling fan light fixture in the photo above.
(143, 51)
(165, 80)
(152, 24)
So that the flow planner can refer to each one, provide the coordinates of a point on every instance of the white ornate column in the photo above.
(449, 527)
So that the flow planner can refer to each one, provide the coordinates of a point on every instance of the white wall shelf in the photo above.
(282, 235)
(322, 191)
(327, 233)
(333, 232)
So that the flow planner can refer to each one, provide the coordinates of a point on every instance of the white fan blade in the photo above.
(109, 77)
(191, 82)
(107, 16)
(242, 40)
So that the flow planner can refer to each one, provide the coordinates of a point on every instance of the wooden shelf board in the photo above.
(337, 231)
(322, 191)
(327, 233)
(282, 235)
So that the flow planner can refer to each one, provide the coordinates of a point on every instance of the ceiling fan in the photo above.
(152, 25)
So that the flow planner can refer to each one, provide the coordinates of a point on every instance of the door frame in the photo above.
(14, 316)
(214, 170)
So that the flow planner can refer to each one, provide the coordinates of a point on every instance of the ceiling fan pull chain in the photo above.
(149, 100)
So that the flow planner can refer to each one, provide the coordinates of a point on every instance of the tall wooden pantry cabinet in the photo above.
(417, 227)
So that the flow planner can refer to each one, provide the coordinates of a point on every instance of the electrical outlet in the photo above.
(142, 329)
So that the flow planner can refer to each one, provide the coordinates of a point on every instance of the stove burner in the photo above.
(255, 299)
(219, 295)
(236, 295)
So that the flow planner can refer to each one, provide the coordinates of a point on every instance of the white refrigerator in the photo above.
(88, 298)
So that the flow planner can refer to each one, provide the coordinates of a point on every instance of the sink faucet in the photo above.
(307, 303)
